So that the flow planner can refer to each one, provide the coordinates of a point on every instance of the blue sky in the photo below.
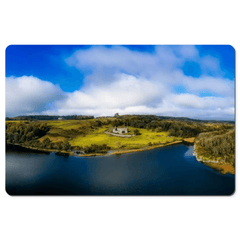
(187, 81)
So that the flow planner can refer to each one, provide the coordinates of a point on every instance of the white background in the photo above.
(123, 22)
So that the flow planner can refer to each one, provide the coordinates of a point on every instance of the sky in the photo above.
(179, 81)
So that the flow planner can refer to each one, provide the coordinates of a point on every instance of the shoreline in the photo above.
(221, 166)
(215, 164)
(41, 150)
(110, 153)
(120, 152)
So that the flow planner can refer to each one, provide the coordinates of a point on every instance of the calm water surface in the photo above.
(170, 170)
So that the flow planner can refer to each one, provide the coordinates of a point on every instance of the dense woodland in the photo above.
(215, 138)
(218, 144)
(28, 133)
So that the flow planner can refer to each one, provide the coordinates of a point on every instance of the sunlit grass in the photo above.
(53, 139)
(59, 131)
(139, 141)
(69, 124)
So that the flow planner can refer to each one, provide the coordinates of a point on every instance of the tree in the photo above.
(46, 143)
(66, 146)
(29, 136)
(171, 132)
(159, 129)
(136, 132)
(22, 139)
(16, 137)
(98, 123)
(115, 123)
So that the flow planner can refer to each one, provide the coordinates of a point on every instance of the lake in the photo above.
(171, 170)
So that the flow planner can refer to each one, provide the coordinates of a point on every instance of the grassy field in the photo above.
(99, 137)
(80, 133)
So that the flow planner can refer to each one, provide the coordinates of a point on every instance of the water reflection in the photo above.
(166, 171)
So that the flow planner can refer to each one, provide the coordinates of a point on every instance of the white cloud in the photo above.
(163, 65)
(108, 61)
(130, 95)
(211, 65)
(220, 86)
(121, 59)
(29, 94)
(123, 92)
(130, 82)
(188, 52)
(192, 101)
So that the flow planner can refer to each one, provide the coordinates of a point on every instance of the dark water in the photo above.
(171, 170)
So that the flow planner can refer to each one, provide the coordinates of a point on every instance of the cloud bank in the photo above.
(26, 95)
(118, 79)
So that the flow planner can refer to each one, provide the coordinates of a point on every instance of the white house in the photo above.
(120, 130)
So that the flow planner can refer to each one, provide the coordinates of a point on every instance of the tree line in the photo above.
(49, 117)
(178, 128)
